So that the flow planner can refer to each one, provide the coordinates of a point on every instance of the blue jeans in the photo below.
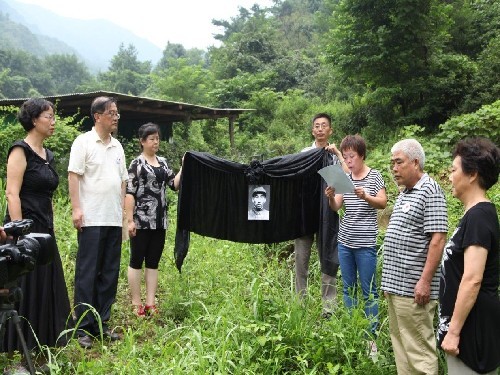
(363, 261)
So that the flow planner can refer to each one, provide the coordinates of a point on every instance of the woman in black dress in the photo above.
(31, 182)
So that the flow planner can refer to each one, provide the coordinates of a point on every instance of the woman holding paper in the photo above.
(358, 228)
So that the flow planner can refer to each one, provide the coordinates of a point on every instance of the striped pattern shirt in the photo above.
(358, 227)
(418, 212)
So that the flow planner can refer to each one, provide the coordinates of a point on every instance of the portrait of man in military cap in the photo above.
(258, 201)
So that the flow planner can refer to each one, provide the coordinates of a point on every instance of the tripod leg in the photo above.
(17, 324)
(3, 321)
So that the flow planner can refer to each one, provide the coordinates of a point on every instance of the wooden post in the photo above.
(231, 131)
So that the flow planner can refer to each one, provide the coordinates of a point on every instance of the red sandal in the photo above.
(139, 310)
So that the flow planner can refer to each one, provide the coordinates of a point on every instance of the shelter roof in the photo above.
(135, 108)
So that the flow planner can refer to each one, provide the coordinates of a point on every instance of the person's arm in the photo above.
(378, 201)
(334, 150)
(474, 264)
(335, 201)
(123, 191)
(74, 195)
(3, 236)
(434, 253)
(130, 193)
(16, 166)
(129, 211)
(177, 179)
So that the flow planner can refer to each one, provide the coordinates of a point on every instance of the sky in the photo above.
(188, 22)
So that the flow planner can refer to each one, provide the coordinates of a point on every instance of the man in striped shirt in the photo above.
(413, 246)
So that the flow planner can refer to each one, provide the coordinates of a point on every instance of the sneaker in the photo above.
(372, 349)
(151, 310)
(85, 342)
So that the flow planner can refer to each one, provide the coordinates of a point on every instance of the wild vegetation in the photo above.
(373, 65)
(233, 309)
(385, 69)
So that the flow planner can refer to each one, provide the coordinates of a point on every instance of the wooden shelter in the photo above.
(136, 110)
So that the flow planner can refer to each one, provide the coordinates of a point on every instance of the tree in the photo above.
(14, 86)
(485, 86)
(397, 50)
(174, 51)
(126, 73)
(475, 24)
(249, 51)
(182, 82)
(66, 73)
(126, 59)
(25, 72)
(279, 42)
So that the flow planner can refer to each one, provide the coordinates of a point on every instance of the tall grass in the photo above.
(233, 310)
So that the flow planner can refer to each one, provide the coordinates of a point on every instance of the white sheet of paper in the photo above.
(335, 177)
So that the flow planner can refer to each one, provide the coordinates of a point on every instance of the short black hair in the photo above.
(30, 110)
(320, 115)
(355, 143)
(479, 154)
(147, 129)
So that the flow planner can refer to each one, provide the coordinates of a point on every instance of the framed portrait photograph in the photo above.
(258, 202)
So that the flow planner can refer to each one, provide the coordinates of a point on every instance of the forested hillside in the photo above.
(17, 36)
(83, 36)
(374, 65)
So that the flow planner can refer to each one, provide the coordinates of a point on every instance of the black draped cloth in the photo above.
(213, 202)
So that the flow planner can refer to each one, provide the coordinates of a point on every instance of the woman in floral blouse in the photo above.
(146, 207)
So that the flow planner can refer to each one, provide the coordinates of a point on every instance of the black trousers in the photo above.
(96, 276)
(147, 247)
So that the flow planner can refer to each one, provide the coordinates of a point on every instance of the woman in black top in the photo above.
(31, 182)
(146, 211)
(469, 325)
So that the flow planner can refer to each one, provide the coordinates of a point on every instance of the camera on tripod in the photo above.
(20, 255)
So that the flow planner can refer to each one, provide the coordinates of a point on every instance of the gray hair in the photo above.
(411, 148)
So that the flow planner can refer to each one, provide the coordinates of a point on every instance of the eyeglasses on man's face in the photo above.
(321, 125)
(112, 114)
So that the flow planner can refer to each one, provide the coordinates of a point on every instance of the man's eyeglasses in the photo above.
(321, 126)
(112, 114)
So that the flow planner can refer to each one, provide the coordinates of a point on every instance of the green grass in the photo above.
(233, 310)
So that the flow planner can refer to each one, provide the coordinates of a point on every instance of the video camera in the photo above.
(26, 249)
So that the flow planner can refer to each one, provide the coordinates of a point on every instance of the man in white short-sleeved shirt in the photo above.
(97, 179)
